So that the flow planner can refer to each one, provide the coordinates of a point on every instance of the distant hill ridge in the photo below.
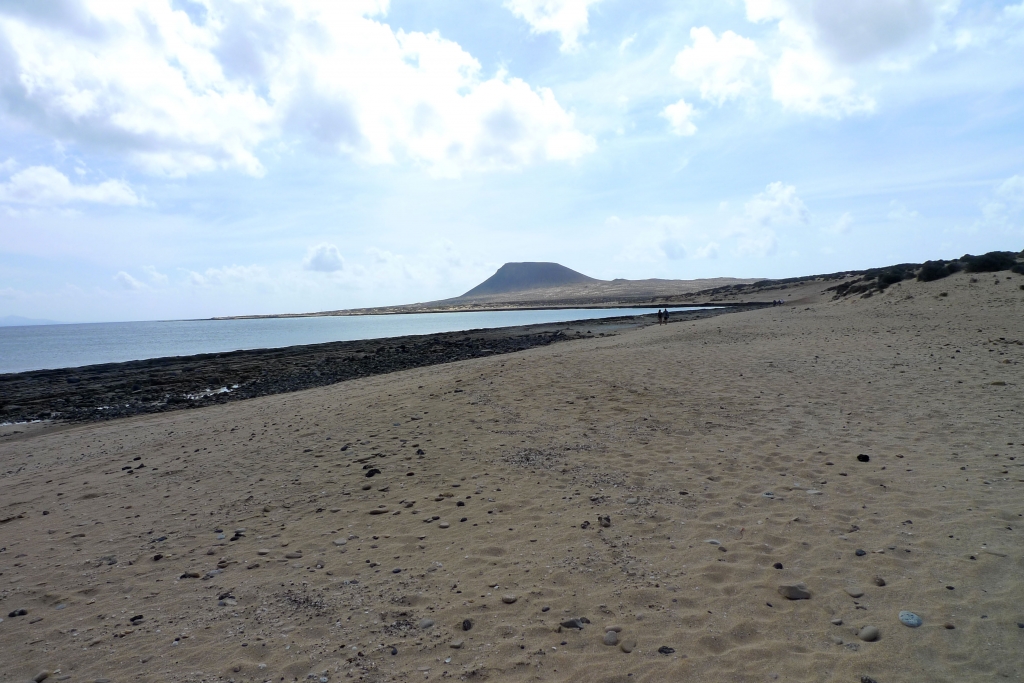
(522, 277)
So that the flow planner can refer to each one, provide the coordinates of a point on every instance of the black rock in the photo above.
(861, 553)
(158, 557)
(545, 609)
(396, 570)
(420, 451)
(372, 471)
(394, 650)
(867, 679)
(466, 624)
(863, 458)
(572, 623)
(460, 504)
(777, 565)
(18, 613)
(665, 650)
(585, 525)
(464, 519)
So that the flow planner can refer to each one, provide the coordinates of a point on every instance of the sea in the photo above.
(40, 347)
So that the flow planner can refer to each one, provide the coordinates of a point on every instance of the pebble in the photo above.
(611, 638)
(456, 644)
(265, 551)
(613, 627)
(508, 599)
(861, 553)
(443, 525)
(713, 541)
(296, 555)
(632, 501)
(41, 676)
(605, 521)
(795, 591)
(466, 624)
(910, 619)
(854, 592)
(666, 650)
(867, 679)
(426, 623)
(879, 581)
(868, 634)
(837, 622)
(341, 541)
(17, 613)
(863, 458)
(396, 570)
(572, 623)
(628, 645)
(777, 565)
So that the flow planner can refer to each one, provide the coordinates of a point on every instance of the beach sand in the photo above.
(717, 450)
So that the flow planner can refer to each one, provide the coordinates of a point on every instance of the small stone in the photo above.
(508, 599)
(605, 521)
(17, 613)
(854, 592)
(41, 676)
(910, 619)
(777, 565)
(949, 625)
(265, 551)
(863, 458)
(665, 650)
(628, 645)
(632, 501)
(341, 541)
(868, 634)
(443, 525)
(837, 622)
(837, 640)
(713, 541)
(613, 627)
(796, 591)
(545, 608)
(426, 623)
(611, 638)
(861, 553)
(466, 624)
(396, 570)
(867, 679)
(295, 555)
(879, 581)
(572, 623)
(456, 645)
(394, 650)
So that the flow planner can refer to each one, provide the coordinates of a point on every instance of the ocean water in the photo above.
(64, 346)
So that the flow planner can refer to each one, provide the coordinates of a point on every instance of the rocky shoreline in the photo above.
(114, 390)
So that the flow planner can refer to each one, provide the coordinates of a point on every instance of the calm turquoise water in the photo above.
(65, 346)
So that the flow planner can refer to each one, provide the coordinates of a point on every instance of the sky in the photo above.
(167, 159)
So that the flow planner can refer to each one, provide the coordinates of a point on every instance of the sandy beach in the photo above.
(497, 518)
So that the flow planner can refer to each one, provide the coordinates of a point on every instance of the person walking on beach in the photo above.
(665, 317)
(659, 316)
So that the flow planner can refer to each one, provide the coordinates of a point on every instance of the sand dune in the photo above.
(252, 545)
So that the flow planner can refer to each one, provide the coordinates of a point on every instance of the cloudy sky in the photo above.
(190, 158)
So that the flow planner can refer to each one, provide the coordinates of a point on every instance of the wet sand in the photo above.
(253, 546)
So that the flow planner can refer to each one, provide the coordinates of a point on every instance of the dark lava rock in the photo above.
(777, 565)
(665, 650)
(860, 553)
(863, 458)
(467, 624)
(17, 613)
(371, 472)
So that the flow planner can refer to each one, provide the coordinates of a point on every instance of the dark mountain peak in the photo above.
(521, 277)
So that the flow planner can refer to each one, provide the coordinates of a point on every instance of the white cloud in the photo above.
(1004, 209)
(842, 224)
(679, 115)
(898, 211)
(181, 93)
(8, 166)
(155, 276)
(723, 68)
(46, 186)
(231, 276)
(804, 82)
(324, 258)
(778, 204)
(127, 281)
(568, 18)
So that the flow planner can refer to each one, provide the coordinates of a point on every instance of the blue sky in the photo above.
(191, 158)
